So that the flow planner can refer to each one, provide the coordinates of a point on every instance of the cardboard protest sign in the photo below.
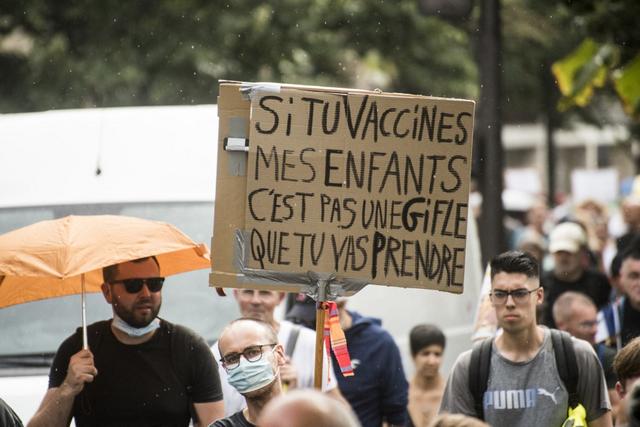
(368, 186)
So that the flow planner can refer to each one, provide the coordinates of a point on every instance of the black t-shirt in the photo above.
(235, 420)
(592, 283)
(630, 323)
(140, 384)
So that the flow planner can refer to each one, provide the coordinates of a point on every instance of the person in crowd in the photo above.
(456, 420)
(567, 244)
(427, 343)
(627, 368)
(631, 217)
(138, 370)
(536, 219)
(576, 314)
(595, 218)
(614, 277)
(378, 390)
(299, 344)
(252, 357)
(630, 410)
(521, 389)
(8, 418)
(621, 319)
(307, 408)
(534, 244)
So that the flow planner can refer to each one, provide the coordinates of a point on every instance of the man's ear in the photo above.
(540, 295)
(106, 292)
(281, 358)
(281, 296)
(620, 390)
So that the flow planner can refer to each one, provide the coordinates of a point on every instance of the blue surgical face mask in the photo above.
(132, 331)
(250, 376)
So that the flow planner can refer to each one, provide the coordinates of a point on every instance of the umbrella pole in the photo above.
(85, 346)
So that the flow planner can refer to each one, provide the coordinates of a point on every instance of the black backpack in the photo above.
(480, 366)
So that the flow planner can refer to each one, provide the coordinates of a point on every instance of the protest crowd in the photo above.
(565, 349)
(557, 341)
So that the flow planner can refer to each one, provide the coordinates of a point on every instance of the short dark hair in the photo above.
(424, 335)
(515, 262)
(616, 263)
(632, 252)
(110, 272)
(626, 364)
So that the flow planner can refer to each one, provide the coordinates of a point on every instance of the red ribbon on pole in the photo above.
(334, 338)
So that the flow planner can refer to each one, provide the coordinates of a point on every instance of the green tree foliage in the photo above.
(84, 53)
(608, 57)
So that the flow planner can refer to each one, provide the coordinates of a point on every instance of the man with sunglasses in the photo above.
(252, 358)
(524, 386)
(139, 370)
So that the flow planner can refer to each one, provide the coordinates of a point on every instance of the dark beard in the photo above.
(131, 320)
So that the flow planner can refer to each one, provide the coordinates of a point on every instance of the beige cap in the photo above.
(567, 236)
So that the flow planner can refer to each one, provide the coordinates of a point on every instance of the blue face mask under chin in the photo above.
(251, 376)
(133, 331)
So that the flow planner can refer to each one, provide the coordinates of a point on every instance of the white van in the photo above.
(157, 163)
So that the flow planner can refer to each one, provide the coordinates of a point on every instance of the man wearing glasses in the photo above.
(252, 358)
(299, 344)
(139, 370)
(575, 313)
(524, 387)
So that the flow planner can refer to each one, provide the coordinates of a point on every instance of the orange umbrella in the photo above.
(66, 256)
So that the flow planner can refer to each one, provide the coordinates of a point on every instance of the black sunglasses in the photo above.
(133, 286)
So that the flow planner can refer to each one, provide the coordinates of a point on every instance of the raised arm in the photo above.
(56, 406)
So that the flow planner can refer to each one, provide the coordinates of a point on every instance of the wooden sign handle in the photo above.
(320, 315)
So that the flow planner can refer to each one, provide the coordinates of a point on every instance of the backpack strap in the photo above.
(293, 339)
(566, 363)
(479, 367)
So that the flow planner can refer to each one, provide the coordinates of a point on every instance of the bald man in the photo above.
(576, 313)
(307, 408)
(300, 342)
(252, 357)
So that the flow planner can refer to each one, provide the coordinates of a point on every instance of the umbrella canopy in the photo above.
(49, 258)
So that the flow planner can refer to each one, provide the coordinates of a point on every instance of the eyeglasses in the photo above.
(251, 354)
(519, 296)
(588, 324)
(133, 286)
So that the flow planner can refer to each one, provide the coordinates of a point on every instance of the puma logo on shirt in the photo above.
(516, 399)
